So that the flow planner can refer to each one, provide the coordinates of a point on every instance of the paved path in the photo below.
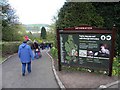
(41, 76)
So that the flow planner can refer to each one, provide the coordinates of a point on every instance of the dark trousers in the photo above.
(24, 67)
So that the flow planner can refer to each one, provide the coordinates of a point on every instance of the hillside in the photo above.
(35, 27)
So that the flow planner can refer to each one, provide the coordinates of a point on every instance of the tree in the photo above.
(107, 10)
(76, 13)
(13, 32)
(9, 16)
(51, 34)
(11, 28)
(43, 33)
(110, 12)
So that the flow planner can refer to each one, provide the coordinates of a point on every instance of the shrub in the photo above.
(116, 66)
(10, 47)
(54, 52)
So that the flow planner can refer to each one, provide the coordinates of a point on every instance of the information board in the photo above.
(86, 47)
(86, 50)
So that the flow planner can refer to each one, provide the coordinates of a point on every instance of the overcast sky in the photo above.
(36, 11)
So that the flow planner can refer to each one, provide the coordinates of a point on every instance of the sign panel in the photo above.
(86, 50)
(87, 47)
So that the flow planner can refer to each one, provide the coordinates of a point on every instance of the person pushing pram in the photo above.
(36, 50)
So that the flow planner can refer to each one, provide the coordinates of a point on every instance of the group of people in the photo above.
(26, 55)
(45, 46)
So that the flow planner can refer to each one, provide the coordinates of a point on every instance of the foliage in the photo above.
(30, 35)
(9, 16)
(43, 33)
(51, 34)
(116, 66)
(74, 14)
(110, 12)
(50, 37)
(12, 30)
(54, 52)
(39, 40)
(10, 47)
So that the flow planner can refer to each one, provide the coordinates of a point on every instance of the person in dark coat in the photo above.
(35, 45)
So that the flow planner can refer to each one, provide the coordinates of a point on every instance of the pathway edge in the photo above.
(54, 71)
(8, 58)
(109, 84)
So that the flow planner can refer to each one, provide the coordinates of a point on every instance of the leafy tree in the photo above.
(9, 16)
(43, 33)
(13, 32)
(11, 28)
(51, 34)
(110, 12)
(75, 13)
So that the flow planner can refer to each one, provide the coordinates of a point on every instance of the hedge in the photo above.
(10, 48)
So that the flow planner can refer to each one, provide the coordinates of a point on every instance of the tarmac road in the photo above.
(41, 76)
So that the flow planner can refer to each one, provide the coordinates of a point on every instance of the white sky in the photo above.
(36, 11)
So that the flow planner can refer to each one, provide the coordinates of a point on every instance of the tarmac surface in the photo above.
(41, 76)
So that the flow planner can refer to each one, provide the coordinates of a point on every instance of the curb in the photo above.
(109, 85)
(54, 71)
(8, 58)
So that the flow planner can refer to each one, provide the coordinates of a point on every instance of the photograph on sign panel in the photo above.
(90, 53)
(82, 53)
(103, 51)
